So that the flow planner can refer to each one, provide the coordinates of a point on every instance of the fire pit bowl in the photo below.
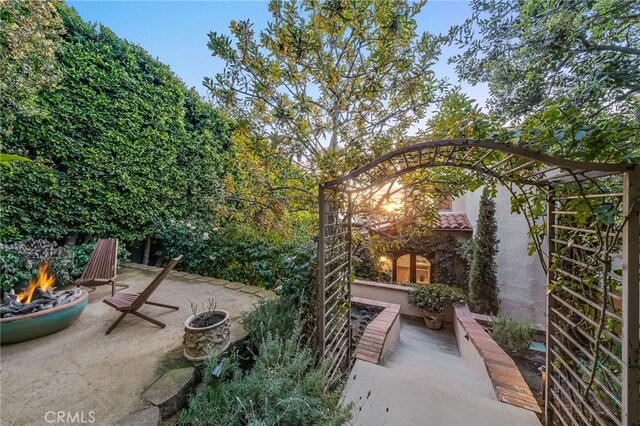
(21, 328)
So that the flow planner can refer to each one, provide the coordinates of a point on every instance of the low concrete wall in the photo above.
(471, 356)
(390, 293)
(393, 335)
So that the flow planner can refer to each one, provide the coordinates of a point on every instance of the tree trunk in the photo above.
(71, 239)
(147, 250)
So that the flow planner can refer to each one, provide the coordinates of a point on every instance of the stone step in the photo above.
(169, 393)
(420, 348)
(429, 361)
(148, 417)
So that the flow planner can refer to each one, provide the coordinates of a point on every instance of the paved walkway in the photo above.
(425, 382)
(81, 370)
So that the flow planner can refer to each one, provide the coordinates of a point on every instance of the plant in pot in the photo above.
(205, 332)
(434, 299)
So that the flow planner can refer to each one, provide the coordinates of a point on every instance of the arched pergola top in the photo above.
(584, 295)
(497, 160)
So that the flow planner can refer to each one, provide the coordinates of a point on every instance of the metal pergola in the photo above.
(592, 263)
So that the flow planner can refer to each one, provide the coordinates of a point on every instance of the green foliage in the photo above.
(14, 272)
(240, 252)
(7, 159)
(266, 189)
(577, 100)
(284, 387)
(276, 317)
(19, 262)
(29, 38)
(465, 251)
(367, 267)
(483, 279)
(354, 74)
(120, 146)
(611, 387)
(512, 334)
(458, 117)
(435, 298)
(447, 265)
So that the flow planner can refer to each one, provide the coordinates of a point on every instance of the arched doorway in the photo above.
(411, 268)
(576, 302)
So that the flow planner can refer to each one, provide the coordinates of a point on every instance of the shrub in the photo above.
(435, 297)
(19, 263)
(512, 334)
(284, 387)
(240, 252)
(275, 317)
(368, 267)
(483, 279)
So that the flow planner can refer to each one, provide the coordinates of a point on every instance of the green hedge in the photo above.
(120, 146)
(244, 253)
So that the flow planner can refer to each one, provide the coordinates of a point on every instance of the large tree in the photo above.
(564, 74)
(328, 76)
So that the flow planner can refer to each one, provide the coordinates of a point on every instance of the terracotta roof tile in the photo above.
(446, 222)
(458, 222)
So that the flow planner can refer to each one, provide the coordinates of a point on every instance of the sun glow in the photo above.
(392, 206)
(385, 263)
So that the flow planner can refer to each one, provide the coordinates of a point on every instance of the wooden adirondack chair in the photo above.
(127, 303)
(102, 266)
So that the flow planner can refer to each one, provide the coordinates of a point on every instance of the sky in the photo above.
(176, 31)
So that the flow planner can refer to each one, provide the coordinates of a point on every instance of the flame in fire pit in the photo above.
(44, 280)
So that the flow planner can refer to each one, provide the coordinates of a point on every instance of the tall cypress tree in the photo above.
(483, 280)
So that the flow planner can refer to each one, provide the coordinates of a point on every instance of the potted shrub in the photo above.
(434, 299)
(205, 332)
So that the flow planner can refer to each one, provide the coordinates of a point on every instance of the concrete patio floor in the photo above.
(79, 369)
(424, 381)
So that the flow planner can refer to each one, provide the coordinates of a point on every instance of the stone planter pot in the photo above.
(433, 321)
(199, 342)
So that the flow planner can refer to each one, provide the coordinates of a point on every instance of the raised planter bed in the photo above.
(528, 363)
(490, 362)
(381, 333)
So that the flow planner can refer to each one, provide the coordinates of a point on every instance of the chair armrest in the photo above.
(92, 281)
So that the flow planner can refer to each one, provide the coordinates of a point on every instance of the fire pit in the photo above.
(38, 310)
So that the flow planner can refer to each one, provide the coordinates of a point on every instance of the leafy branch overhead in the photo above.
(328, 76)
(564, 74)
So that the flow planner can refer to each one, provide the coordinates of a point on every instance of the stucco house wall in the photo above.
(458, 205)
(521, 279)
